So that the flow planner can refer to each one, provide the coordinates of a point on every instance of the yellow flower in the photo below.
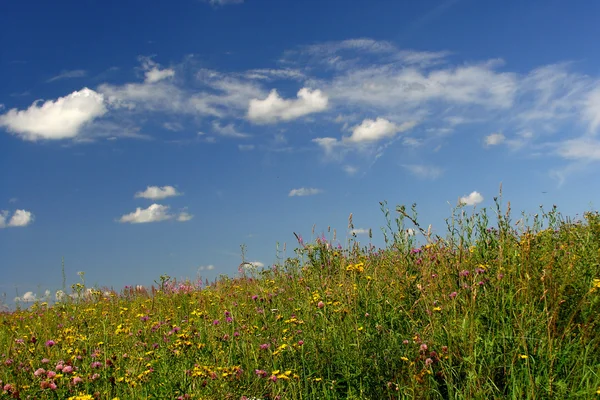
(523, 356)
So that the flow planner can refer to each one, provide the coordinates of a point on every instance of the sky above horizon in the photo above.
(141, 139)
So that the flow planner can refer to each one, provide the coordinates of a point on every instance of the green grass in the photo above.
(482, 313)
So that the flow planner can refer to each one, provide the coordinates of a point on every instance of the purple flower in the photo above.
(428, 362)
(464, 272)
(254, 297)
(423, 347)
(216, 322)
(96, 364)
(479, 271)
(45, 361)
(77, 380)
(236, 334)
(67, 369)
(229, 320)
(50, 343)
(453, 295)
(39, 372)
(264, 346)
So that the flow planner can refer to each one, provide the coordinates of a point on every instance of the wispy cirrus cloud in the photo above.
(76, 73)
(424, 171)
(300, 192)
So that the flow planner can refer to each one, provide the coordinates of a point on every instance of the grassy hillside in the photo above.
(502, 309)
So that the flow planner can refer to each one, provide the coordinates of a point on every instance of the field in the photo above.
(502, 309)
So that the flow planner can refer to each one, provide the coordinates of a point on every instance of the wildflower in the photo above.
(236, 334)
(254, 297)
(300, 342)
(260, 372)
(423, 348)
(51, 374)
(77, 380)
(39, 372)
(264, 346)
(50, 343)
(428, 362)
(479, 270)
(229, 320)
(216, 322)
(67, 369)
(464, 272)
(320, 304)
(523, 356)
(405, 341)
(96, 364)
(452, 295)
(45, 361)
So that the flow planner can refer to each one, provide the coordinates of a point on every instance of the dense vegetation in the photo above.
(508, 309)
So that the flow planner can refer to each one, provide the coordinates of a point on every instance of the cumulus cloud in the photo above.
(154, 213)
(20, 218)
(157, 193)
(153, 72)
(494, 139)
(424, 171)
(374, 130)
(59, 119)
(472, 199)
(28, 297)
(206, 267)
(304, 192)
(274, 108)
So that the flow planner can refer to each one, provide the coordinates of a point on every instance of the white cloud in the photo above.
(350, 170)
(256, 264)
(184, 217)
(206, 267)
(274, 108)
(157, 193)
(245, 147)
(173, 126)
(409, 88)
(472, 199)
(28, 297)
(359, 231)
(304, 192)
(77, 73)
(494, 139)
(152, 71)
(223, 2)
(580, 149)
(592, 109)
(228, 130)
(373, 130)
(20, 218)
(59, 119)
(424, 171)
(327, 143)
(154, 213)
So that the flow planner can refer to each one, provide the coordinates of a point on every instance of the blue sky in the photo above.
(139, 139)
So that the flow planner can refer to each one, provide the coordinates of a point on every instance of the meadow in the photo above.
(496, 308)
